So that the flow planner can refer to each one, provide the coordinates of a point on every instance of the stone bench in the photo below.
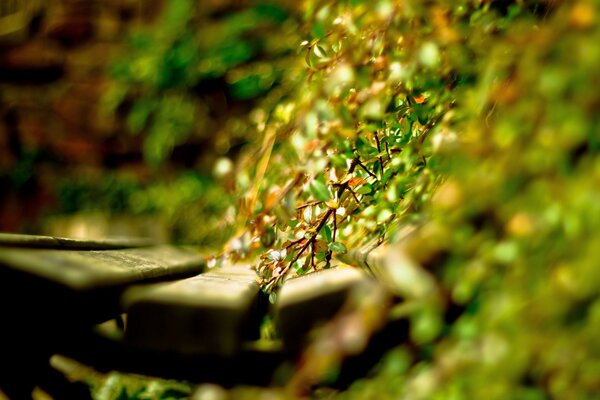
(183, 320)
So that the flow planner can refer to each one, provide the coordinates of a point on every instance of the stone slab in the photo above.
(54, 242)
(393, 268)
(93, 269)
(401, 275)
(211, 313)
(309, 300)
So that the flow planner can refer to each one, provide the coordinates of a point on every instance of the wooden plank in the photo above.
(306, 301)
(88, 270)
(54, 242)
(211, 313)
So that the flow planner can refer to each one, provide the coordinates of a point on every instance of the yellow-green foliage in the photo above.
(477, 121)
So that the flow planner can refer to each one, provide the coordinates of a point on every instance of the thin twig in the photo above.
(379, 152)
(303, 248)
(295, 242)
(312, 203)
(360, 164)
(354, 195)
(334, 227)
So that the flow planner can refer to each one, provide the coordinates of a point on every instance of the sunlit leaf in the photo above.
(318, 30)
(272, 297)
(327, 234)
(337, 247)
(365, 189)
(319, 190)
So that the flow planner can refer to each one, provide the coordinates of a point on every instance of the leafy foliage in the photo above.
(135, 387)
(180, 92)
(356, 138)
(165, 68)
(476, 122)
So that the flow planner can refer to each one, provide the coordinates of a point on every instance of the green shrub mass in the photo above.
(476, 122)
(179, 92)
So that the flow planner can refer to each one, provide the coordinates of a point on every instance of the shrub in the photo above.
(477, 122)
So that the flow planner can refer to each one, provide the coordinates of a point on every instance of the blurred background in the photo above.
(127, 117)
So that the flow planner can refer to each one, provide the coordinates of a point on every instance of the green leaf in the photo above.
(307, 214)
(289, 257)
(327, 233)
(318, 30)
(122, 395)
(272, 297)
(365, 189)
(426, 325)
(298, 267)
(337, 247)
(319, 51)
(319, 190)
(250, 86)
(172, 393)
(321, 256)
(139, 115)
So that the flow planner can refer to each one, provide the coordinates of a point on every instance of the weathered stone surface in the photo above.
(308, 300)
(358, 257)
(94, 225)
(78, 288)
(96, 269)
(210, 313)
(391, 266)
(399, 274)
(54, 242)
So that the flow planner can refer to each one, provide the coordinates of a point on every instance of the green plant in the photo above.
(160, 78)
(476, 121)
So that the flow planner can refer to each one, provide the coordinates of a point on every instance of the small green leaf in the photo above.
(337, 247)
(318, 30)
(426, 325)
(139, 116)
(272, 297)
(307, 214)
(365, 189)
(319, 190)
(289, 257)
(327, 233)
(173, 393)
(384, 215)
(298, 267)
(319, 51)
